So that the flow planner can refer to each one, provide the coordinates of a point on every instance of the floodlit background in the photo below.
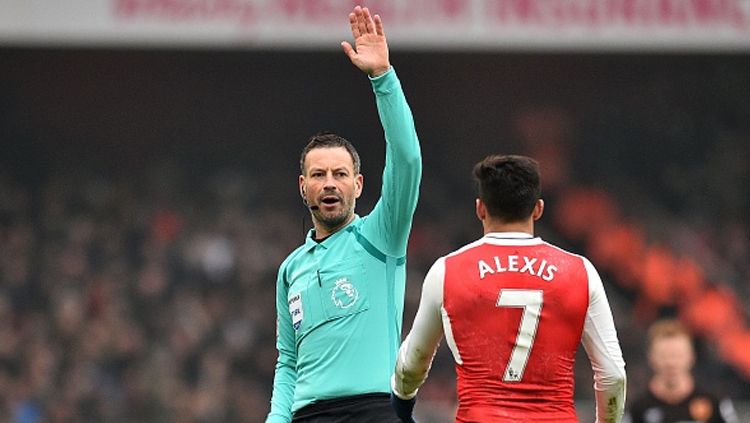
(149, 156)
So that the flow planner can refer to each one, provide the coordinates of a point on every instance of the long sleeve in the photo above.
(603, 349)
(286, 364)
(389, 223)
(418, 349)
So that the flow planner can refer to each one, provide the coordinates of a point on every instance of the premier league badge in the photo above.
(344, 294)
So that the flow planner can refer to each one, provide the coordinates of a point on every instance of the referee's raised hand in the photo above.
(370, 51)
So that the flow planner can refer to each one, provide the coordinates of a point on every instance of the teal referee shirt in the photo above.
(339, 302)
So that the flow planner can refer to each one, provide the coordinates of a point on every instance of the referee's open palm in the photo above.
(370, 53)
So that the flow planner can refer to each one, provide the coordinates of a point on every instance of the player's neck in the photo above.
(499, 226)
(672, 390)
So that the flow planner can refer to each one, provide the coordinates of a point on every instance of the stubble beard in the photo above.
(334, 221)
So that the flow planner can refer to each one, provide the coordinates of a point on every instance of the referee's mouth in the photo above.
(330, 201)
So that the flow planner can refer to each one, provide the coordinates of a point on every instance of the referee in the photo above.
(339, 296)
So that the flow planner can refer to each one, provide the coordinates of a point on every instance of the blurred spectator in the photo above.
(672, 394)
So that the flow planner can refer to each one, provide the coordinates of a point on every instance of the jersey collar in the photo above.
(310, 243)
(512, 238)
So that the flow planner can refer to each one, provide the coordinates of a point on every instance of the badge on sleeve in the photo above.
(295, 310)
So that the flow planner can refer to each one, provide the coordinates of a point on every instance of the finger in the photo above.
(379, 26)
(353, 24)
(362, 26)
(349, 50)
(368, 21)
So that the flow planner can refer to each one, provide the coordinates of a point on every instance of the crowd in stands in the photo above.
(147, 299)
(149, 296)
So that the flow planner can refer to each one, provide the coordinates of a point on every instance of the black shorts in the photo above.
(365, 408)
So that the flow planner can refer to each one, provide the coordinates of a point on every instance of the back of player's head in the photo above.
(666, 329)
(509, 186)
(325, 139)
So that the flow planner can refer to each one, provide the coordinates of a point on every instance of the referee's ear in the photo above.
(301, 182)
(359, 183)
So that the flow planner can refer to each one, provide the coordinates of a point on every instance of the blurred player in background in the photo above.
(340, 295)
(672, 395)
(513, 310)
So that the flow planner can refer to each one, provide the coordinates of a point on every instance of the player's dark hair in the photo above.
(508, 185)
(325, 139)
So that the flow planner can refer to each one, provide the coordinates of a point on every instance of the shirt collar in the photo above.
(511, 238)
(311, 243)
(509, 235)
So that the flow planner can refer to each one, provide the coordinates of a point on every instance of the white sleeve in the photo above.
(603, 349)
(418, 349)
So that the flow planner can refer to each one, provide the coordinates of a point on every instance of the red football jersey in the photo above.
(516, 315)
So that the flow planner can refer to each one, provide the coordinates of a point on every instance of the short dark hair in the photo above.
(326, 139)
(508, 185)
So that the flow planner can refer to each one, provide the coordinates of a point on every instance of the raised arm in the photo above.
(388, 225)
(370, 51)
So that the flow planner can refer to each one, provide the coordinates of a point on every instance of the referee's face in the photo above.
(330, 186)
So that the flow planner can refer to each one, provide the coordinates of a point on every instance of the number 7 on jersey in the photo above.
(531, 302)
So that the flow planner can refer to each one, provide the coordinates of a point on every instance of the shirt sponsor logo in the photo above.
(295, 310)
(344, 294)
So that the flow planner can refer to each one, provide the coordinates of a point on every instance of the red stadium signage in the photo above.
(433, 24)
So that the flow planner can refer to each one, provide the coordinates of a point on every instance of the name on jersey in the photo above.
(519, 264)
